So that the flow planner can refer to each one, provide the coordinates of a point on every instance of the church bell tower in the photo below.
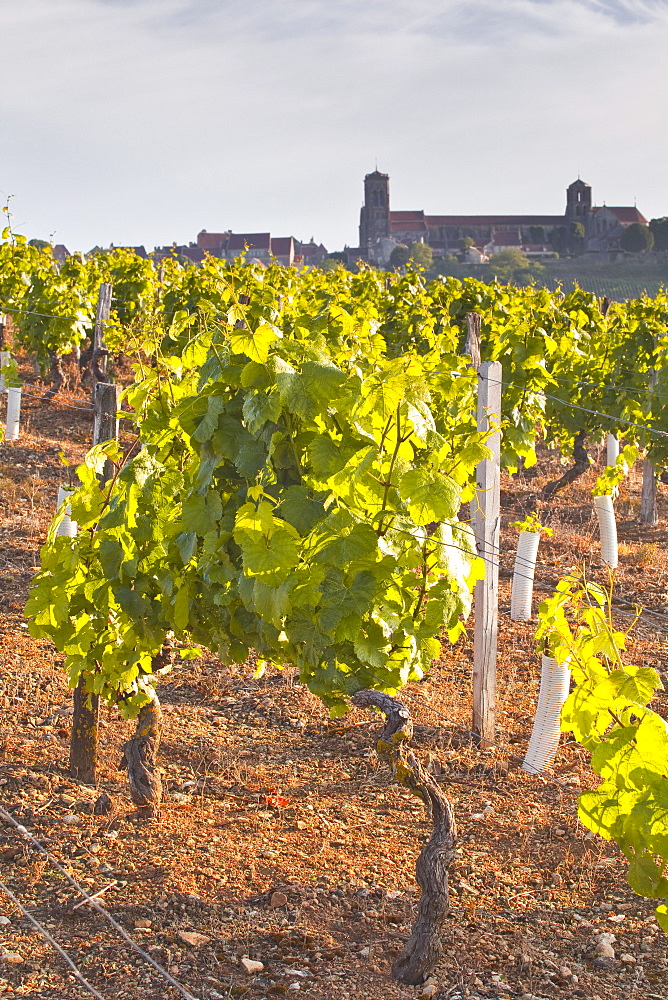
(578, 201)
(375, 214)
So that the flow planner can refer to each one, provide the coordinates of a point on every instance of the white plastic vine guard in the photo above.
(13, 413)
(612, 449)
(523, 574)
(67, 526)
(555, 680)
(608, 528)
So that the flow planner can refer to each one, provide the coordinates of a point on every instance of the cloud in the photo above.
(144, 120)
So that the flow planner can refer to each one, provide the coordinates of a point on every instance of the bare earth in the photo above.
(281, 839)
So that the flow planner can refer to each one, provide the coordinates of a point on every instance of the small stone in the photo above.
(428, 992)
(71, 820)
(294, 986)
(365, 952)
(179, 797)
(628, 959)
(193, 938)
(4, 921)
(143, 924)
(252, 967)
(565, 972)
(278, 899)
(12, 958)
(103, 805)
(557, 879)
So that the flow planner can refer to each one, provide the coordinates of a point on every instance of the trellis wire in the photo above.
(94, 903)
(52, 941)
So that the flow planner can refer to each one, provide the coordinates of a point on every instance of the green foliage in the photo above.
(608, 482)
(532, 524)
(400, 255)
(284, 501)
(608, 714)
(421, 255)
(659, 230)
(637, 238)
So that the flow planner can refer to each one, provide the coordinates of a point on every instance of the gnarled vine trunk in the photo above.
(56, 375)
(83, 742)
(423, 949)
(581, 464)
(140, 758)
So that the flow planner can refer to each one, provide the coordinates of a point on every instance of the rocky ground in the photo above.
(283, 863)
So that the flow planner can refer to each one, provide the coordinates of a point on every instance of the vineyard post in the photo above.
(487, 534)
(98, 361)
(2, 330)
(86, 705)
(648, 511)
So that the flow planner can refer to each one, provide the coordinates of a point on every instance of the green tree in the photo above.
(559, 239)
(422, 255)
(400, 255)
(332, 263)
(466, 243)
(39, 244)
(506, 263)
(637, 238)
(577, 237)
(659, 229)
(537, 234)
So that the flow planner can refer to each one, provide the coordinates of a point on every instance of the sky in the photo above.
(144, 121)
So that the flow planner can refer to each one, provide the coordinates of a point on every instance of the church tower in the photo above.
(375, 214)
(578, 202)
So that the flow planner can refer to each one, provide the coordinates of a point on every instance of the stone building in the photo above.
(381, 227)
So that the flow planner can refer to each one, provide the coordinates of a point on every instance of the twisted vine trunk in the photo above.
(56, 375)
(83, 741)
(582, 463)
(423, 949)
(140, 758)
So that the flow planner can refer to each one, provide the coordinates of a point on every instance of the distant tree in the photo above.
(576, 232)
(637, 238)
(446, 266)
(400, 255)
(40, 244)
(422, 255)
(659, 229)
(559, 239)
(511, 265)
(537, 234)
(338, 255)
(332, 263)
(505, 263)
(466, 243)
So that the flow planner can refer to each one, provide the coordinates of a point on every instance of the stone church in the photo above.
(381, 228)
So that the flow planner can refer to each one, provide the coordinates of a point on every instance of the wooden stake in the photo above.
(98, 361)
(648, 510)
(83, 743)
(487, 532)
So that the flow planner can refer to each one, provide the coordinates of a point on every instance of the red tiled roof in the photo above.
(281, 245)
(506, 238)
(211, 241)
(626, 214)
(406, 216)
(494, 220)
(254, 241)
